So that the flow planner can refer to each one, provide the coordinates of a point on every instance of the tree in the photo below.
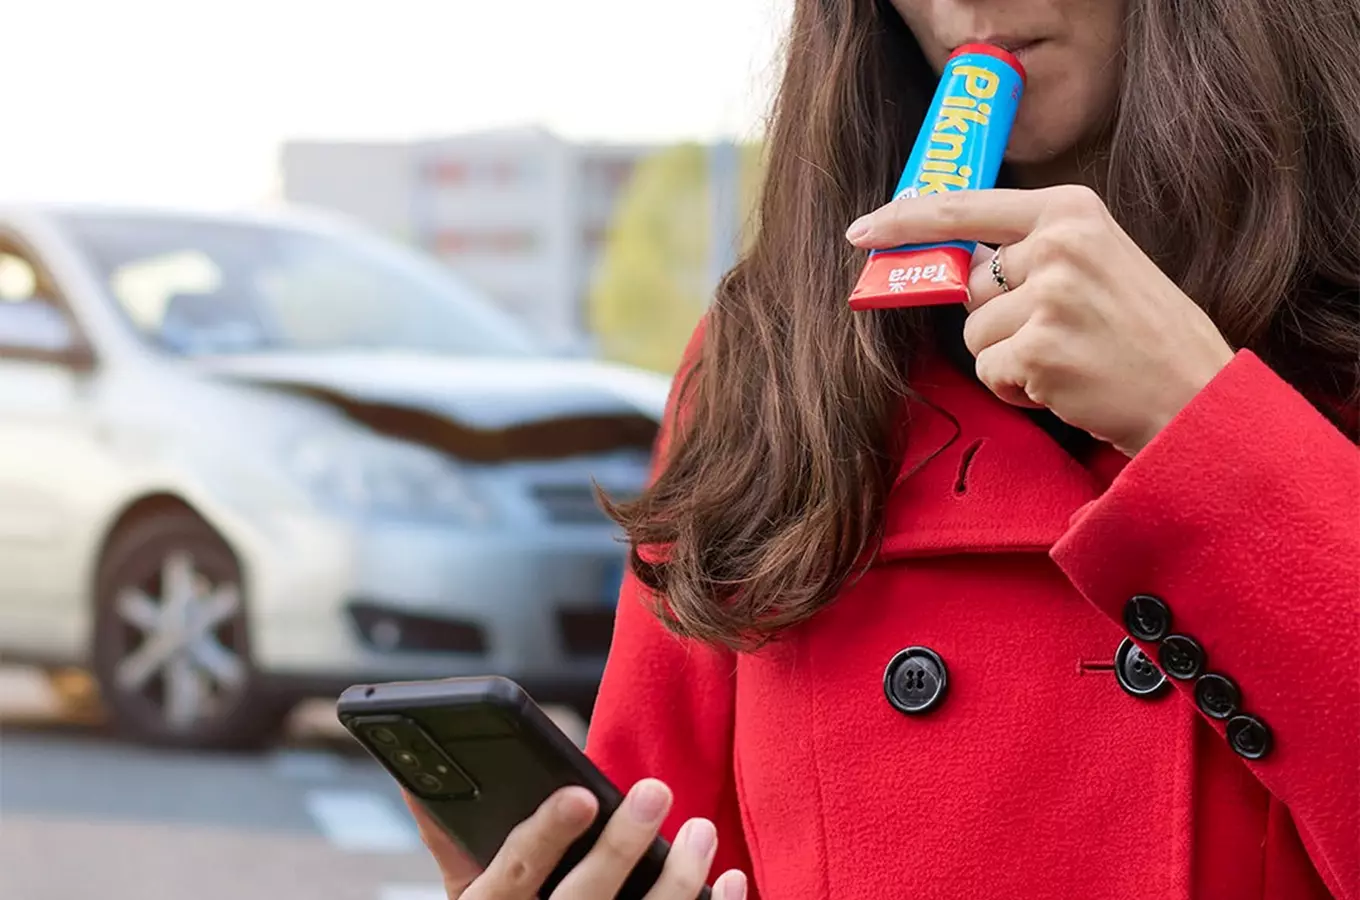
(651, 285)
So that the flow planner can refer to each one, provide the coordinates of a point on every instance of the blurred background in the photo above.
(319, 325)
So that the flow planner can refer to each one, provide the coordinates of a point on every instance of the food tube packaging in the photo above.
(960, 147)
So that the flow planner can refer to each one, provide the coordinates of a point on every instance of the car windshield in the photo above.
(203, 286)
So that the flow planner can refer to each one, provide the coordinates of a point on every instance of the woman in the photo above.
(902, 578)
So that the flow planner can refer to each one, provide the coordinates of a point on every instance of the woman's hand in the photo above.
(1089, 327)
(536, 846)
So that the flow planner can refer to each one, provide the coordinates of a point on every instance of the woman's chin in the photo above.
(1052, 134)
(1033, 149)
(1042, 155)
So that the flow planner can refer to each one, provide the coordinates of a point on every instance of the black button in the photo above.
(1249, 736)
(1217, 695)
(1181, 657)
(1147, 618)
(1135, 672)
(915, 680)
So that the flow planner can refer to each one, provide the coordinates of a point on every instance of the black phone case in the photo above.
(512, 755)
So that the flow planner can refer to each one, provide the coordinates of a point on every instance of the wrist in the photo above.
(1182, 388)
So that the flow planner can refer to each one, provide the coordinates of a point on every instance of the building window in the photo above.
(448, 172)
(458, 242)
(501, 173)
(450, 243)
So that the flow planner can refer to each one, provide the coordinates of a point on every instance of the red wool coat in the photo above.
(1037, 775)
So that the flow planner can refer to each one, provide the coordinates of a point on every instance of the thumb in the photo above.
(457, 867)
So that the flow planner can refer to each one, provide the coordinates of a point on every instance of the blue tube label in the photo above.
(964, 137)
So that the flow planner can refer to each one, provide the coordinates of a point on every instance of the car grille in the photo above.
(570, 504)
(390, 630)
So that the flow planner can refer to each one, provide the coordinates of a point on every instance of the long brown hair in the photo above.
(1234, 161)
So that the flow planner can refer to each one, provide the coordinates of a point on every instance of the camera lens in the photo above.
(406, 758)
(383, 736)
(428, 783)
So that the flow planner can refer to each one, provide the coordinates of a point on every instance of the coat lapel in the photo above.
(978, 476)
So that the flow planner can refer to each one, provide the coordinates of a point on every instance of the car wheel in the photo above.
(171, 646)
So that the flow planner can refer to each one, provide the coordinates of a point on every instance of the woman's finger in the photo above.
(731, 885)
(688, 862)
(625, 839)
(1012, 262)
(979, 276)
(1000, 369)
(991, 216)
(997, 319)
(456, 866)
(535, 847)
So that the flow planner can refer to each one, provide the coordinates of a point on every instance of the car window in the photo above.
(202, 286)
(144, 286)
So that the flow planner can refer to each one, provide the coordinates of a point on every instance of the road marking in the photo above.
(306, 765)
(362, 822)
(412, 892)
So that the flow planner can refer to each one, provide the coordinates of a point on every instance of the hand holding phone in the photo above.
(539, 843)
(512, 809)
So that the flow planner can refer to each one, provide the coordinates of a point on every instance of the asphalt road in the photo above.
(84, 816)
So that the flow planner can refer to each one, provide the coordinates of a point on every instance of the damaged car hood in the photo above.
(479, 409)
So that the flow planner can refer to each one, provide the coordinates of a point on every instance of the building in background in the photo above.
(519, 213)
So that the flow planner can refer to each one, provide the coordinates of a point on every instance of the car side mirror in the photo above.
(37, 329)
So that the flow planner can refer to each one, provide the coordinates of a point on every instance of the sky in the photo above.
(187, 103)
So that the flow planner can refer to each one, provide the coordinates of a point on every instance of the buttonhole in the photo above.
(961, 485)
(1087, 666)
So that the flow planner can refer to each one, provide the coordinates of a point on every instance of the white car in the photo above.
(245, 460)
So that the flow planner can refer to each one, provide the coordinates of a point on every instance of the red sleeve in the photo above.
(665, 710)
(1243, 518)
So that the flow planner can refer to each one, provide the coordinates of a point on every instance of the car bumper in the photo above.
(335, 603)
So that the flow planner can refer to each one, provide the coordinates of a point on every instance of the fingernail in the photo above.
(732, 887)
(858, 229)
(574, 808)
(647, 801)
(699, 838)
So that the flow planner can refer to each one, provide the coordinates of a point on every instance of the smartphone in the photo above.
(480, 755)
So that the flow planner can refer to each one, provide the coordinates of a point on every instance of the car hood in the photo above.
(481, 409)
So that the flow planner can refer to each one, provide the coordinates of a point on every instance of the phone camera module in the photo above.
(428, 783)
(413, 756)
(383, 736)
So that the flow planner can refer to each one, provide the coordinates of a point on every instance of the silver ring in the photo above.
(997, 275)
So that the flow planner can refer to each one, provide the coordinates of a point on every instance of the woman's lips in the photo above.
(1022, 48)
(1016, 45)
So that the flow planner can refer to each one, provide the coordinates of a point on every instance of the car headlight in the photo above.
(381, 476)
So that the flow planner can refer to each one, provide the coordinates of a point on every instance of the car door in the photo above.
(48, 378)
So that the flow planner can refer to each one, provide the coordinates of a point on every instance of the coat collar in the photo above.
(977, 476)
